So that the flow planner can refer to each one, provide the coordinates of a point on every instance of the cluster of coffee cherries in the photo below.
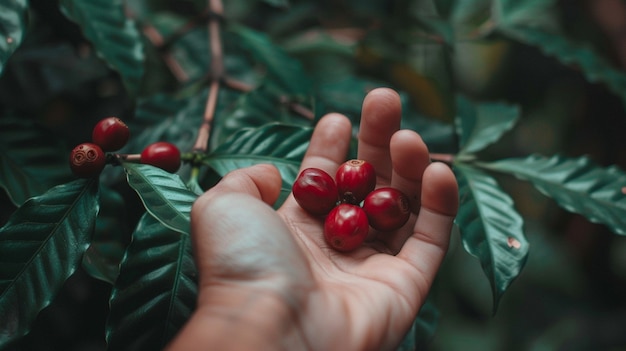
(350, 203)
(111, 134)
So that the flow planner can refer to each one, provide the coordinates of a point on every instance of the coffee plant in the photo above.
(494, 87)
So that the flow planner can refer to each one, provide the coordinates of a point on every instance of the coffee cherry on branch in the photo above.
(387, 209)
(345, 227)
(110, 133)
(315, 191)
(355, 179)
(87, 160)
(163, 155)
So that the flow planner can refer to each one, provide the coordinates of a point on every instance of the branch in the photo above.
(157, 40)
(445, 158)
(204, 132)
(217, 71)
(293, 106)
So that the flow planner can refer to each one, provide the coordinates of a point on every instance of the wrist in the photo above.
(235, 318)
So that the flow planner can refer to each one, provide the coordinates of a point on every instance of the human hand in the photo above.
(269, 281)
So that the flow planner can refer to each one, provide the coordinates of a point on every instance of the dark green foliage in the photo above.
(484, 82)
(40, 247)
(157, 283)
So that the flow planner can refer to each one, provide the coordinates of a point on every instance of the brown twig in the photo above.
(237, 85)
(156, 39)
(293, 106)
(445, 158)
(204, 132)
(217, 71)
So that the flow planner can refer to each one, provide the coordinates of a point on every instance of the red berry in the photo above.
(163, 155)
(346, 227)
(387, 209)
(87, 160)
(111, 134)
(355, 179)
(315, 191)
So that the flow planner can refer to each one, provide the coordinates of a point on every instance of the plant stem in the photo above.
(445, 158)
(293, 106)
(204, 132)
(217, 71)
(157, 40)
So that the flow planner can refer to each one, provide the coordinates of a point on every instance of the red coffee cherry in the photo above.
(387, 209)
(315, 191)
(87, 160)
(346, 227)
(110, 133)
(355, 179)
(163, 155)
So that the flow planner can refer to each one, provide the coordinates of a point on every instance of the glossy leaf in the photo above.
(40, 247)
(156, 290)
(254, 109)
(114, 36)
(530, 13)
(467, 13)
(164, 195)
(12, 28)
(481, 124)
(281, 145)
(491, 229)
(103, 257)
(576, 184)
(164, 117)
(282, 68)
(593, 66)
(31, 158)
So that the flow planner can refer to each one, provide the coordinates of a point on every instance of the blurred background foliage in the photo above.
(569, 295)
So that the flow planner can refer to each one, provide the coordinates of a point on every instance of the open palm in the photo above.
(272, 278)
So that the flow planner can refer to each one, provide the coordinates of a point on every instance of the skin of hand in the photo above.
(267, 279)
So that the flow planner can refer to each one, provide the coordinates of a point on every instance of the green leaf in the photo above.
(576, 184)
(115, 37)
(491, 229)
(530, 13)
(346, 95)
(481, 124)
(40, 247)
(468, 13)
(156, 290)
(164, 195)
(593, 66)
(254, 109)
(285, 70)
(103, 257)
(164, 117)
(281, 145)
(12, 28)
(31, 158)
(277, 3)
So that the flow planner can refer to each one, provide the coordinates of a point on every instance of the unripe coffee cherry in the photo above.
(387, 209)
(163, 155)
(355, 179)
(87, 160)
(111, 134)
(346, 227)
(315, 191)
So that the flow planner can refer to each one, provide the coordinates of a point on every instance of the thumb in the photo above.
(237, 236)
(262, 181)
